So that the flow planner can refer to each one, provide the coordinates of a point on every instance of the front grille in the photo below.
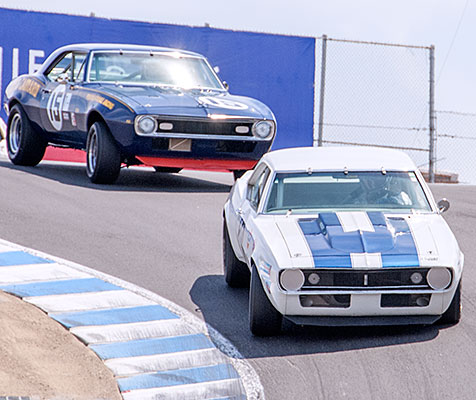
(404, 300)
(197, 127)
(385, 278)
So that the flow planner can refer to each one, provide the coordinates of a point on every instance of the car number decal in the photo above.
(222, 103)
(55, 106)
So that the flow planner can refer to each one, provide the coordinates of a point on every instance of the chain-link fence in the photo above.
(456, 133)
(375, 94)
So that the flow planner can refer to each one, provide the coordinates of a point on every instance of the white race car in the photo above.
(340, 236)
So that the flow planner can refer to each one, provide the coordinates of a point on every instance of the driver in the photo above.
(379, 188)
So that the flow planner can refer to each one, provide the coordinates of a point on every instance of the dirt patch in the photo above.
(41, 359)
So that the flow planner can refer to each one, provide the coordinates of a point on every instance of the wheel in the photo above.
(453, 314)
(238, 173)
(265, 320)
(103, 159)
(169, 170)
(24, 145)
(236, 272)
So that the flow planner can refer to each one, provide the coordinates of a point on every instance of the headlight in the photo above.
(263, 129)
(439, 278)
(292, 279)
(145, 125)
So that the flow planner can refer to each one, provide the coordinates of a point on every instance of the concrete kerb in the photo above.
(248, 375)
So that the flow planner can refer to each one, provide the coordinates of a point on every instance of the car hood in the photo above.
(364, 240)
(198, 103)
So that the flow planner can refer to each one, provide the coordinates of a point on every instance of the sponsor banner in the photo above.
(275, 69)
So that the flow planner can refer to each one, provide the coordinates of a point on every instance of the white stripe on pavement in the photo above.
(131, 331)
(88, 301)
(165, 362)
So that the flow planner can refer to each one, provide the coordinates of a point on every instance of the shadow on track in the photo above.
(130, 180)
(226, 309)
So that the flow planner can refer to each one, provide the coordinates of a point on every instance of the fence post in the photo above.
(322, 91)
(432, 149)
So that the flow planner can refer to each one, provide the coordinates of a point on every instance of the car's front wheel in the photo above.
(103, 159)
(236, 272)
(453, 314)
(265, 320)
(24, 145)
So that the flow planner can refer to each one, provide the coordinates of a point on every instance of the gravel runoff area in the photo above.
(41, 360)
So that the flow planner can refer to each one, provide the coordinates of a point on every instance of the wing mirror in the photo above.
(62, 78)
(443, 205)
(226, 85)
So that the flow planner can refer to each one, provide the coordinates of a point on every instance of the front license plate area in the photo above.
(180, 144)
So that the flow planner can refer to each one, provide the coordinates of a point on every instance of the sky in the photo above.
(449, 25)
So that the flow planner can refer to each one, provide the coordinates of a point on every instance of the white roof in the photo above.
(338, 159)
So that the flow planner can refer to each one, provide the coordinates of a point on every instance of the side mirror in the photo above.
(443, 205)
(225, 83)
(62, 78)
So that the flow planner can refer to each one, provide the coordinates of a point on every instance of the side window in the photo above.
(79, 61)
(61, 68)
(256, 186)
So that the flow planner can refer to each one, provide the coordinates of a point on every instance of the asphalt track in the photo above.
(163, 232)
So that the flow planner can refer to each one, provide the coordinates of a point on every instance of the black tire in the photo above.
(169, 170)
(453, 314)
(103, 159)
(236, 272)
(238, 173)
(24, 145)
(265, 320)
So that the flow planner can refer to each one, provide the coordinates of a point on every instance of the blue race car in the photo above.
(132, 105)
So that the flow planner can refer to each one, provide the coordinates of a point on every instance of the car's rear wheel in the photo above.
(453, 314)
(24, 145)
(265, 320)
(103, 159)
(236, 272)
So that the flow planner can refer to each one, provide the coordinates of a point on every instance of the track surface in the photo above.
(163, 232)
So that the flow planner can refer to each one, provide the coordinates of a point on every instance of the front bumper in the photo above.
(362, 303)
(190, 151)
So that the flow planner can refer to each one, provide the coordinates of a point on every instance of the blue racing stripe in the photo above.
(114, 316)
(178, 377)
(60, 287)
(331, 247)
(10, 258)
(148, 347)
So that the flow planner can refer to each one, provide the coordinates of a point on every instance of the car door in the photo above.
(58, 97)
(249, 210)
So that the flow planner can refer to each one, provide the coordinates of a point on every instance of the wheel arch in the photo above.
(93, 117)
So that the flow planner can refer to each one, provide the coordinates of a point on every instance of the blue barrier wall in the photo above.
(276, 69)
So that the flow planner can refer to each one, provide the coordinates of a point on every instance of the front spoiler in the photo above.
(198, 163)
(364, 321)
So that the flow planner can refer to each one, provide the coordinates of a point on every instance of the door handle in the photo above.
(44, 90)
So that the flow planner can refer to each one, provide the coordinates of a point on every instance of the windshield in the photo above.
(163, 69)
(332, 191)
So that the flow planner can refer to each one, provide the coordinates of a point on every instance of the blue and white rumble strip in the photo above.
(155, 349)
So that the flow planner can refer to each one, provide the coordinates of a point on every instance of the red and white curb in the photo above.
(155, 348)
